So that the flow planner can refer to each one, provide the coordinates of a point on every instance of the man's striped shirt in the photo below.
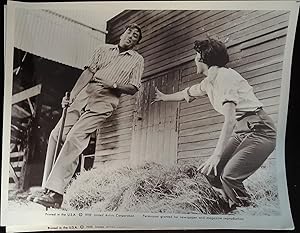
(122, 68)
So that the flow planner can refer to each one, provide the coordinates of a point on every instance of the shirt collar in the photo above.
(212, 73)
(129, 52)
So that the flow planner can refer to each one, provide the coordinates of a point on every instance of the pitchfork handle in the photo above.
(61, 129)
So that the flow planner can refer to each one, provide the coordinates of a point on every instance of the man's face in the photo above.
(129, 38)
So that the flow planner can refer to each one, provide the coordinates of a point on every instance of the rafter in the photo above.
(26, 94)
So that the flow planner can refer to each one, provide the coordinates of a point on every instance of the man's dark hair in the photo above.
(213, 52)
(134, 25)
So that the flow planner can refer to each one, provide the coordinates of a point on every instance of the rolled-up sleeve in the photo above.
(137, 72)
(196, 90)
(92, 64)
(229, 88)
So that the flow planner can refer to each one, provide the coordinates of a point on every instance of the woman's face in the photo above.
(201, 66)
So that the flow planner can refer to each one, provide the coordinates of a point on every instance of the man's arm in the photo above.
(82, 81)
(127, 89)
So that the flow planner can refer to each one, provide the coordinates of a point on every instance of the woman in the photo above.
(248, 134)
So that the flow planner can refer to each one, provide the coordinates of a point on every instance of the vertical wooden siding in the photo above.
(255, 41)
(155, 128)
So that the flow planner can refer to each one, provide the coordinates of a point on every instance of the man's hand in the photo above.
(210, 164)
(106, 83)
(66, 102)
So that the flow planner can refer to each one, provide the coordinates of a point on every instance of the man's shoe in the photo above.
(36, 194)
(50, 200)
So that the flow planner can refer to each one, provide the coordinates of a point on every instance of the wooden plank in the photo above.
(198, 116)
(248, 22)
(117, 138)
(161, 21)
(116, 133)
(265, 78)
(13, 174)
(19, 112)
(17, 164)
(195, 109)
(267, 85)
(112, 151)
(243, 41)
(268, 93)
(256, 57)
(113, 145)
(264, 39)
(256, 49)
(262, 70)
(202, 122)
(163, 35)
(119, 117)
(120, 157)
(260, 64)
(17, 154)
(205, 144)
(30, 92)
(259, 29)
(200, 129)
(171, 22)
(116, 128)
(199, 137)
(195, 153)
(117, 122)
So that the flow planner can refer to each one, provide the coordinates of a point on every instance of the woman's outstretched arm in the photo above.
(159, 96)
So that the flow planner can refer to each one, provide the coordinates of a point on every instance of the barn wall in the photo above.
(114, 137)
(255, 40)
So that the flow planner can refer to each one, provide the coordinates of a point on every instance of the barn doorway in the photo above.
(155, 130)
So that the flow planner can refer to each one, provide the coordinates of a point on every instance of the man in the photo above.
(113, 70)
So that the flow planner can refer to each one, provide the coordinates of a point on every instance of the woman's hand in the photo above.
(159, 96)
(210, 164)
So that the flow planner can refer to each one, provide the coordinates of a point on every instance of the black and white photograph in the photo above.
(147, 115)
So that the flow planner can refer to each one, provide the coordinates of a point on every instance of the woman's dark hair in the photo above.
(213, 52)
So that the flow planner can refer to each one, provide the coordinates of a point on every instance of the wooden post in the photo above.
(27, 170)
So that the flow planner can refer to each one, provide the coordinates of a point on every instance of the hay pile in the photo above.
(151, 188)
